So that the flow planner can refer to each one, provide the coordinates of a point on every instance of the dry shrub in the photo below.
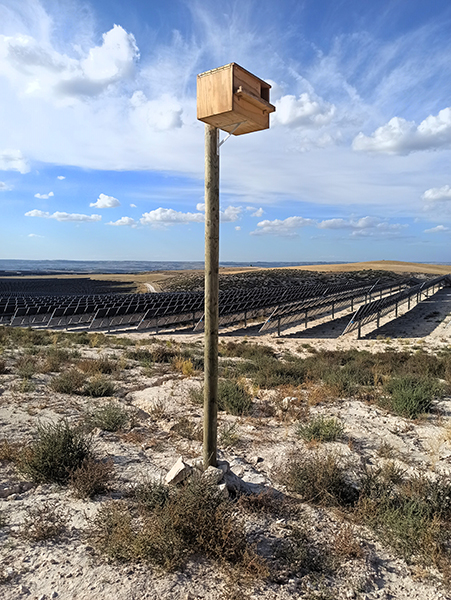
(320, 478)
(346, 544)
(183, 366)
(290, 404)
(92, 477)
(69, 382)
(9, 451)
(2, 366)
(98, 386)
(43, 522)
(174, 525)
(188, 429)
(93, 366)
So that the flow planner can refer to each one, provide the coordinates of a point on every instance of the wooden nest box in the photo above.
(233, 99)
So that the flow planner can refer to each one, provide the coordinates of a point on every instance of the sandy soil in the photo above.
(70, 569)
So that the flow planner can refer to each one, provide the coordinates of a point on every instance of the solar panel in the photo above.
(379, 308)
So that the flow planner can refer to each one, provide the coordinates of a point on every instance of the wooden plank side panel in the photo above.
(214, 92)
(250, 112)
(246, 80)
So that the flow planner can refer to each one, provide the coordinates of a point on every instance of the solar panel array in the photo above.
(144, 311)
(290, 314)
(245, 305)
(379, 308)
(280, 307)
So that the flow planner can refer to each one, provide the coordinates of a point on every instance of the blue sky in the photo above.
(101, 155)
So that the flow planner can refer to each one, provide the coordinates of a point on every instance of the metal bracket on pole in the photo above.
(231, 133)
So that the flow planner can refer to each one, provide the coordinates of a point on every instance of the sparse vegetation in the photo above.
(110, 417)
(57, 450)
(165, 528)
(411, 396)
(69, 382)
(320, 478)
(98, 386)
(92, 477)
(320, 429)
(44, 522)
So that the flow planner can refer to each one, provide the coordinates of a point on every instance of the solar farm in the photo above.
(270, 309)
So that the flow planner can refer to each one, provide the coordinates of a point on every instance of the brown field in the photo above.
(158, 278)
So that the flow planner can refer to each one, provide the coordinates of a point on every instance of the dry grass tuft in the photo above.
(44, 522)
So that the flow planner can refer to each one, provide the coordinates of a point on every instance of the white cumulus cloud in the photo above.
(258, 213)
(63, 216)
(237, 228)
(39, 70)
(399, 136)
(35, 235)
(304, 111)
(286, 228)
(4, 187)
(133, 206)
(61, 177)
(13, 160)
(438, 229)
(104, 201)
(44, 196)
(161, 114)
(169, 216)
(231, 214)
(441, 193)
(123, 222)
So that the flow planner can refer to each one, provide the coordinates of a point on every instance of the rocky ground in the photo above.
(311, 550)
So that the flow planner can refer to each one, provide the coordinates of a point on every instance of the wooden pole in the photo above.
(211, 295)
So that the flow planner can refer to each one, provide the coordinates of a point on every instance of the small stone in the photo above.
(54, 594)
(179, 472)
(23, 589)
(213, 475)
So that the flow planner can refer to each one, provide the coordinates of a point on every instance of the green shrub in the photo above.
(319, 478)
(55, 359)
(269, 372)
(111, 417)
(26, 367)
(233, 398)
(412, 515)
(98, 386)
(411, 396)
(320, 429)
(244, 350)
(69, 382)
(58, 449)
